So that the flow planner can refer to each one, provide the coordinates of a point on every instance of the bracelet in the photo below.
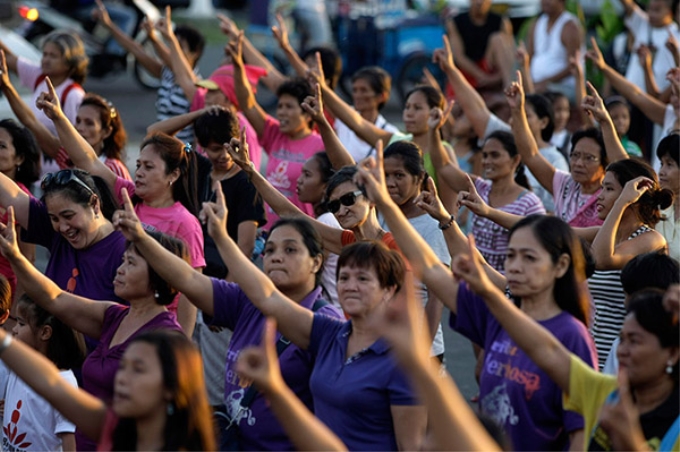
(6, 342)
(448, 224)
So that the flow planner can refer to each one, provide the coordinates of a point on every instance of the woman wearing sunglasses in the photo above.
(164, 190)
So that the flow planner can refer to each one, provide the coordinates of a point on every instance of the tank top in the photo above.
(550, 56)
(476, 37)
(610, 311)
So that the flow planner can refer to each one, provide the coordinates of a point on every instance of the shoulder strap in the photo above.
(281, 345)
(670, 437)
(41, 78)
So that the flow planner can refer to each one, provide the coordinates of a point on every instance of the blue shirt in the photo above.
(353, 397)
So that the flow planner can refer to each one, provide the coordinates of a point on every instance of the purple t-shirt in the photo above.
(258, 426)
(353, 397)
(513, 390)
(100, 366)
(87, 272)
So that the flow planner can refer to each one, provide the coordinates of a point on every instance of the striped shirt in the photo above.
(610, 310)
(172, 102)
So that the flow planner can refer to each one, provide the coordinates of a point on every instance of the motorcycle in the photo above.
(40, 19)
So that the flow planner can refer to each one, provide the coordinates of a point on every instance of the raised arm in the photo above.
(49, 144)
(524, 63)
(425, 263)
(607, 253)
(594, 105)
(526, 144)
(174, 124)
(363, 128)
(471, 199)
(244, 94)
(580, 88)
(194, 285)
(337, 154)
(466, 64)
(81, 153)
(444, 163)
(149, 62)
(12, 195)
(238, 150)
(537, 342)
(469, 99)
(251, 55)
(10, 57)
(652, 108)
(182, 70)
(86, 411)
(295, 322)
(261, 366)
(79, 313)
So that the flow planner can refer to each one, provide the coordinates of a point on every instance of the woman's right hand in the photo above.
(444, 56)
(99, 13)
(9, 245)
(228, 27)
(49, 102)
(438, 118)
(371, 176)
(429, 201)
(280, 32)
(472, 200)
(313, 105)
(235, 50)
(515, 94)
(594, 105)
(595, 55)
(126, 220)
(238, 151)
(260, 365)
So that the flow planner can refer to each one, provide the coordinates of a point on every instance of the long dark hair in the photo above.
(411, 156)
(507, 140)
(326, 171)
(110, 118)
(544, 110)
(25, 146)
(189, 427)
(557, 238)
(176, 155)
(310, 238)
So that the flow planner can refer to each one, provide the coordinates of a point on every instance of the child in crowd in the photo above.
(619, 110)
(562, 111)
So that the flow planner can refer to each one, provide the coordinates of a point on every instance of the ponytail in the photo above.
(521, 177)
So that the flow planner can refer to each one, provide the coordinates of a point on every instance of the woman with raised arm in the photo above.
(543, 273)
(292, 261)
(111, 323)
(629, 205)
(648, 379)
(164, 189)
(159, 404)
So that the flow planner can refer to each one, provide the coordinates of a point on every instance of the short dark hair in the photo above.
(595, 135)
(194, 39)
(388, 264)
(377, 78)
(219, 127)
(297, 87)
(25, 146)
(670, 146)
(650, 270)
(331, 62)
(310, 238)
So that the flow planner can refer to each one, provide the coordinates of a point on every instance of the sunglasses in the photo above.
(62, 179)
(348, 199)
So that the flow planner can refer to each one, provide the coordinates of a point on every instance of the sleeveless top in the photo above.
(550, 56)
(608, 297)
(476, 37)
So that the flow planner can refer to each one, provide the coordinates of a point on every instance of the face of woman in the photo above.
(287, 261)
(536, 124)
(151, 180)
(77, 224)
(402, 185)
(138, 388)
(669, 174)
(562, 113)
(641, 355)
(22, 330)
(292, 119)
(364, 97)
(415, 114)
(53, 62)
(310, 186)
(611, 189)
(9, 161)
(529, 268)
(89, 126)
(359, 291)
(586, 167)
(621, 118)
(354, 215)
(496, 161)
(132, 276)
(219, 157)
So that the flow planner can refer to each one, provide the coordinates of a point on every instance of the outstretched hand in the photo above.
(238, 151)
(371, 176)
(9, 245)
(594, 105)
(594, 54)
(444, 56)
(228, 26)
(438, 118)
(4, 73)
(470, 198)
(48, 102)
(260, 365)
(313, 105)
(315, 73)
(164, 24)
(235, 50)
(515, 94)
(280, 32)
(99, 13)
(429, 201)
(215, 214)
(127, 221)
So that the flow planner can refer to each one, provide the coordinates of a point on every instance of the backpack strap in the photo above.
(41, 78)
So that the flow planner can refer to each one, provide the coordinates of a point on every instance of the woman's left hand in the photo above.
(127, 221)
(438, 118)
(634, 189)
(515, 94)
(215, 214)
(371, 176)
(472, 200)
(9, 245)
(260, 365)
(238, 151)
(49, 102)
(164, 24)
(313, 105)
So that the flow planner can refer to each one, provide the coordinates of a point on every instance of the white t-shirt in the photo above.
(330, 263)
(32, 423)
(357, 147)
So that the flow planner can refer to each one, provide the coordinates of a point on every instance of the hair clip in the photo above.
(112, 110)
(187, 147)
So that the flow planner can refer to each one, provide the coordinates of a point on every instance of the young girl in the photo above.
(561, 137)
(30, 422)
(64, 61)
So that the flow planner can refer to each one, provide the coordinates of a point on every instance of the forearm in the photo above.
(653, 108)
(361, 127)
(444, 163)
(337, 154)
(604, 244)
(244, 92)
(174, 124)
(39, 287)
(279, 203)
(186, 315)
(149, 63)
(252, 56)
(612, 144)
(470, 101)
(184, 74)
(504, 219)
(305, 430)
(527, 80)
(161, 50)
(650, 83)
(433, 314)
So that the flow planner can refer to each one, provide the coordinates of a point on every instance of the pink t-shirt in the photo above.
(576, 208)
(116, 166)
(176, 221)
(254, 148)
(286, 157)
(5, 267)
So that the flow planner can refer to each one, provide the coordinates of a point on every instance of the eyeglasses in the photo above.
(63, 178)
(348, 199)
(586, 158)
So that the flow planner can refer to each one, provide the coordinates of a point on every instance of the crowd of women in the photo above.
(158, 324)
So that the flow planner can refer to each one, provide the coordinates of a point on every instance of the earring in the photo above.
(669, 367)
(170, 409)
(156, 295)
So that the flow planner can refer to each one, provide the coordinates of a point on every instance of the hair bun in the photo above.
(663, 198)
